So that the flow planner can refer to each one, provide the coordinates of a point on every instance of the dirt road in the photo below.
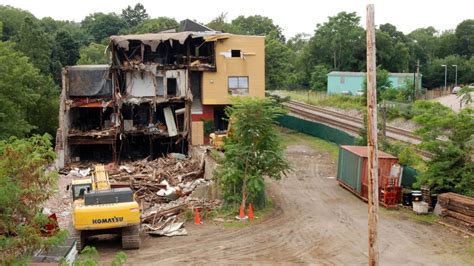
(452, 101)
(315, 222)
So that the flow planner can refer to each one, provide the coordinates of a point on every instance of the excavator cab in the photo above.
(79, 188)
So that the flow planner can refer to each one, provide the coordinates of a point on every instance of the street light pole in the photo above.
(445, 75)
(456, 76)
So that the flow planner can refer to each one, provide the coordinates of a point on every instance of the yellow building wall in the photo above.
(215, 84)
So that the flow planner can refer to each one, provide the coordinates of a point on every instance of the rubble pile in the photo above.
(163, 188)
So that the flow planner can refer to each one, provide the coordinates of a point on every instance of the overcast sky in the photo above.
(293, 16)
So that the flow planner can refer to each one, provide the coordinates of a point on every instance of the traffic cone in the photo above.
(197, 218)
(242, 211)
(250, 211)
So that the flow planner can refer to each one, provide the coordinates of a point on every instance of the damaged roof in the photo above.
(154, 39)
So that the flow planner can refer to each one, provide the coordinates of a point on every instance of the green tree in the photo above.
(300, 75)
(12, 19)
(465, 38)
(24, 186)
(253, 151)
(220, 23)
(65, 49)
(257, 25)
(446, 44)
(93, 54)
(153, 25)
(35, 44)
(448, 136)
(277, 64)
(339, 43)
(134, 16)
(427, 41)
(78, 34)
(28, 100)
(319, 78)
(65, 52)
(102, 26)
(433, 72)
(392, 52)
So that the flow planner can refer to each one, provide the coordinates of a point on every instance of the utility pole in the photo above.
(372, 139)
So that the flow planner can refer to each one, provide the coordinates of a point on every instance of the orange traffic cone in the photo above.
(242, 211)
(250, 211)
(197, 218)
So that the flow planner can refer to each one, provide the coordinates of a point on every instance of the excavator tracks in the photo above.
(131, 237)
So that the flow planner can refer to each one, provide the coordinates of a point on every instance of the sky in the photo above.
(293, 16)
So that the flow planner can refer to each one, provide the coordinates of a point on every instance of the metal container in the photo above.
(352, 168)
(416, 195)
(407, 198)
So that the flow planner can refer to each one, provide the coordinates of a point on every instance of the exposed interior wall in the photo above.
(251, 64)
(166, 83)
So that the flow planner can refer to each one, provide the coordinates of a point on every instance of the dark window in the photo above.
(171, 87)
(235, 53)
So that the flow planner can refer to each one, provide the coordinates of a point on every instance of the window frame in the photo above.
(232, 90)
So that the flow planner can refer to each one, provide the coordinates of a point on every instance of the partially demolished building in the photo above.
(162, 92)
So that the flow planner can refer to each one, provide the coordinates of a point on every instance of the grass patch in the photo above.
(405, 214)
(228, 213)
(323, 99)
(293, 137)
(470, 248)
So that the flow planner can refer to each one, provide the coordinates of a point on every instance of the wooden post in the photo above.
(372, 138)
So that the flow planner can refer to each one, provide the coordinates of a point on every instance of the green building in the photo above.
(352, 82)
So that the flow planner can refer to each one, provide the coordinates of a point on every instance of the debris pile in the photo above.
(457, 210)
(163, 188)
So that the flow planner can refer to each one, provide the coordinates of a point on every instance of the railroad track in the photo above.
(347, 123)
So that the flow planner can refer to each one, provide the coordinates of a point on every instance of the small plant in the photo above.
(89, 256)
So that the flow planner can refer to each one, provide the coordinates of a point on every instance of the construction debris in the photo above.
(167, 228)
(163, 188)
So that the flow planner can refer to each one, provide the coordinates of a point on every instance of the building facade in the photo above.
(352, 82)
(161, 93)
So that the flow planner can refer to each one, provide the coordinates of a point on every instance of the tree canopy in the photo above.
(134, 16)
(101, 26)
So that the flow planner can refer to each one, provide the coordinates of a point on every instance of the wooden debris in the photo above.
(457, 209)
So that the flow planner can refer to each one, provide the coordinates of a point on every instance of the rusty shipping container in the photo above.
(352, 168)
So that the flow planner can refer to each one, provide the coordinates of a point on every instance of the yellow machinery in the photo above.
(99, 209)
(217, 138)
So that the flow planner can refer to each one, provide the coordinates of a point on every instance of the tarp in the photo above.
(89, 80)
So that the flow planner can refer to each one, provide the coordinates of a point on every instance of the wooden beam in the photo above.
(373, 197)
